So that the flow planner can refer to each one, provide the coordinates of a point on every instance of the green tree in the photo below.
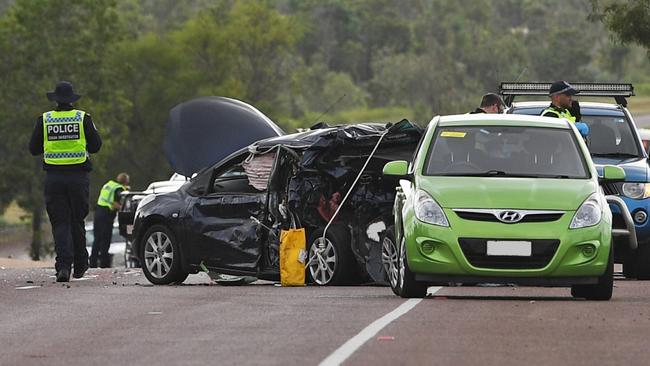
(41, 42)
(628, 19)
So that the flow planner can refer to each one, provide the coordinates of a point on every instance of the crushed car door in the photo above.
(223, 228)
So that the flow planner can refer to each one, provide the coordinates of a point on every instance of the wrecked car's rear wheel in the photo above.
(390, 258)
(330, 260)
(161, 258)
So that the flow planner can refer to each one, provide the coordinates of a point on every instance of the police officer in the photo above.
(107, 205)
(66, 136)
(561, 94)
(563, 105)
(490, 103)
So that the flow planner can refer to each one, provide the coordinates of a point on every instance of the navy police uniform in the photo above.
(65, 137)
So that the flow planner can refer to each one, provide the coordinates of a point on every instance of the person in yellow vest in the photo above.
(108, 204)
(66, 137)
(563, 105)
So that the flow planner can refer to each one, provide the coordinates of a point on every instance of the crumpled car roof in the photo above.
(324, 136)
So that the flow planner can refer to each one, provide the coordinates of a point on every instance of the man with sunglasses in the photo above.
(563, 105)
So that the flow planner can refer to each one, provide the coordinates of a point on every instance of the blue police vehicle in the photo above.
(613, 139)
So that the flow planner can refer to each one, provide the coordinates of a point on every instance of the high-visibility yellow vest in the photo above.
(107, 194)
(64, 140)
(560, 114)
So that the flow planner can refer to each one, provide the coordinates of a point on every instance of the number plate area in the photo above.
(509, 248)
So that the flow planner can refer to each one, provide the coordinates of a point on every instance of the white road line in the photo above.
(353, 344)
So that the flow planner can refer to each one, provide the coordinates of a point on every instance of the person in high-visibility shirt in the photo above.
(66, 137)
(108, 204)
(563, 105)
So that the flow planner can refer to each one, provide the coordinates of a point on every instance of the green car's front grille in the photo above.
(481, 216)
(475, 251)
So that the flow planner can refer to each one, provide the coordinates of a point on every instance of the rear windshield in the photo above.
(505, 151)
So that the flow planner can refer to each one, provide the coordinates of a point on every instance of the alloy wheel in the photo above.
(158, 254)
(322, 261)
(390, 258)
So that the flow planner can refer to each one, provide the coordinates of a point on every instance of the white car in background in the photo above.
(118, 244)
(130, 201)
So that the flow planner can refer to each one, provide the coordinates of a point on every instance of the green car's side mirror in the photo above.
(398, 168)
(613, 173)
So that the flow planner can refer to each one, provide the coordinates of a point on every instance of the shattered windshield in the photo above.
(505, 151)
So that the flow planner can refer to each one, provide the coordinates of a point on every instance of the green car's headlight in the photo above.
(589, 213)
(636, 190)
(428, 210)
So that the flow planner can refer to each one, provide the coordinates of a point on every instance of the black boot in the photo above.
(63, 275)
(106, 261)
(80, 270)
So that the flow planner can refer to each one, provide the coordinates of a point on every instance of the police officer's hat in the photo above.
(562, 87)
(63, 93)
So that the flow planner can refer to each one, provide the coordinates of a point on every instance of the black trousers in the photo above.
(103, 231)
(66, 201)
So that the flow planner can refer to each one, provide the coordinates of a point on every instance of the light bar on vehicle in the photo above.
(619, 91)
(585, 89)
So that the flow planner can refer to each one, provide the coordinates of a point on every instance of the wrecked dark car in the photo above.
(229, 216)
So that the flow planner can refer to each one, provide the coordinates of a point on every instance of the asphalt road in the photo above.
(117, 318)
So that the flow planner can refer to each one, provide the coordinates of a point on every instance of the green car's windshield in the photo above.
(505, 151)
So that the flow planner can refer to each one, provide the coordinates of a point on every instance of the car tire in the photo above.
(408, 287)
(332, 263)
(643, 262)
(160, 254)
(601, 291)
(390, 258)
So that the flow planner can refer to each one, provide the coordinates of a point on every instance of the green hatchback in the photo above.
(501, 199)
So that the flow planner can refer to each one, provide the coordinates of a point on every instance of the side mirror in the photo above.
(397, 168)
(613, 173)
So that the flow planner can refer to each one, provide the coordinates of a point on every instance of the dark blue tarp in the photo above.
(205, 130)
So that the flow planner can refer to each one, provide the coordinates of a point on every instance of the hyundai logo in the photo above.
(509, 217)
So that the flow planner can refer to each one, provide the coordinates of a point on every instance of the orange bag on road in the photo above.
(293, 256)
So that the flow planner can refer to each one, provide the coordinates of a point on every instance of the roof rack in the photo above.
(618, 91)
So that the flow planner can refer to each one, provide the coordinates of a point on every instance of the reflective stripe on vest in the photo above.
(64, 140)
(107, 194)
(564, 114)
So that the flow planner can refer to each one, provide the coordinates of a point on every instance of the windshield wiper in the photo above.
(616, 155)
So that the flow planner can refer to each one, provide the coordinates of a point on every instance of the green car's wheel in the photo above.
(603, 289)
(408, 287)
(390, 258)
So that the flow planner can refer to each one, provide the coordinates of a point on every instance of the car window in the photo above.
(231, 179)
(503, 151)
(233, 172)
(609, 130)
(610, 135)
